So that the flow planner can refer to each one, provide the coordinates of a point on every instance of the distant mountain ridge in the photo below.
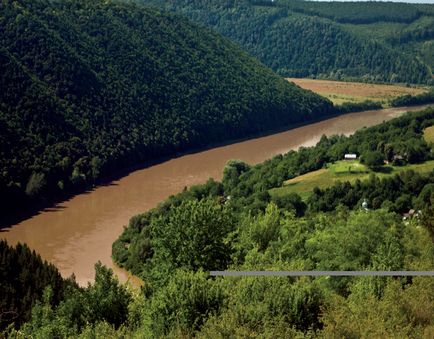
(90, 87)
(372, 41)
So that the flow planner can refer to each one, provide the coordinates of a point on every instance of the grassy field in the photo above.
(428, 134)
(339, 91)
(340, 171)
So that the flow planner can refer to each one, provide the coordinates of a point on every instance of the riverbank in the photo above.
(78, 232)
(7, 221)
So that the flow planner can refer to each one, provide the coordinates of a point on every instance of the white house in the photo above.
(350, 156)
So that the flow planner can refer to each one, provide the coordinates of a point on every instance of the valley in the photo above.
(146, 143)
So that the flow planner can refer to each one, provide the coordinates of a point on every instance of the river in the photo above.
(76, 233)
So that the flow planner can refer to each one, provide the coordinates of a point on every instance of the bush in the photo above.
(373, 159)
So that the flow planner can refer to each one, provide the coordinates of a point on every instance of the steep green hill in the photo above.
(385, 42)
(88, 87)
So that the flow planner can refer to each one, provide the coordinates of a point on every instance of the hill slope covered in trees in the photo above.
(374, 41)
(89, 87)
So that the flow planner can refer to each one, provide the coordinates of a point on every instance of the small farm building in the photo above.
(350, 156)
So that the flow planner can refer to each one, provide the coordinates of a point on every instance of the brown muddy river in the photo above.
(75, 234)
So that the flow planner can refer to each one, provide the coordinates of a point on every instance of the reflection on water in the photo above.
(77, 233)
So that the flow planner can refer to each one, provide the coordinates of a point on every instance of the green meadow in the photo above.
(341, 171)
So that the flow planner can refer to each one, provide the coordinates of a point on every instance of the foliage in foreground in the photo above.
(190, 303)
(101, 306)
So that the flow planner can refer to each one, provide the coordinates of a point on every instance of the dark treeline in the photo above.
(298, 39)
(412, 100)
(32, 289)
(23, 278)
(91, 87)
(366, 105)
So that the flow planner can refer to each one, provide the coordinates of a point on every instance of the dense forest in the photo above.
(371, 41)
(236, 224)
(91, 87)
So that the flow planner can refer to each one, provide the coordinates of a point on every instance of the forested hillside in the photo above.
(90, 87)
(238, 225)
(372, 41)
